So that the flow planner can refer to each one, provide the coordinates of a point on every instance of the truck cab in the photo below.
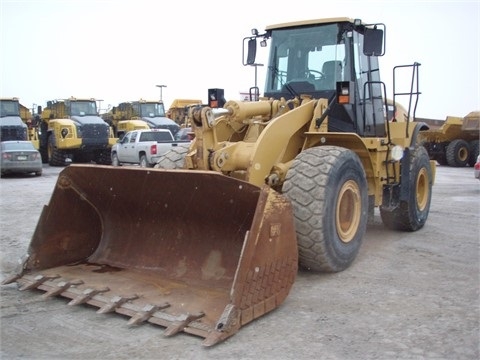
(12, 127)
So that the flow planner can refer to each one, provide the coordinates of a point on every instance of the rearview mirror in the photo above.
(252, 51)
(373, 42)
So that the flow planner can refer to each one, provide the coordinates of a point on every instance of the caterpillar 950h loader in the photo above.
(266, 186)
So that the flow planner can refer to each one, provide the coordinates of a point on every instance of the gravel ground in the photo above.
(407, 295)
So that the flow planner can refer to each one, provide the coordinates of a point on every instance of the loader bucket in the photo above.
(191, 251)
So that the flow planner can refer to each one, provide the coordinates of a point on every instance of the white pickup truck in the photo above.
(144, 147)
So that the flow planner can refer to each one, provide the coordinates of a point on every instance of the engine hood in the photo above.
(89, 119)
(12, 121)
(159, 120)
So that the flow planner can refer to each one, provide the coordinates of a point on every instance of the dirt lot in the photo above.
(407, 295)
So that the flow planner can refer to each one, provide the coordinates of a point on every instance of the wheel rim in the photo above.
(463, 154)
(422, 189)
(348, 211)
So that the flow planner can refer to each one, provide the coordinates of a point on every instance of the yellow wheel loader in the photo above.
(213, 237)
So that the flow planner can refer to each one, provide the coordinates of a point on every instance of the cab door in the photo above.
(126, 148)
(370, 107)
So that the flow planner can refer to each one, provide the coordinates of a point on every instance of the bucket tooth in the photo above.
(115, 303)
(60, 287)
(228, 324)
(37, 281)
(146, 313)
(86, 295)
(11, 279)
(179, 325)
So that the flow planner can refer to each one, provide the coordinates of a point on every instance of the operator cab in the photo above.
(325, 59)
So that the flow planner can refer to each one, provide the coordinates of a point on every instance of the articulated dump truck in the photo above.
(209, 242)
(453, 141)
(12, 127)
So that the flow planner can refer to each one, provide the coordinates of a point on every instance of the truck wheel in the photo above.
(441, 159)
(43, 137)
(56, 157)
(44, 154)
(458, 153)
(412, 214)
(474, 152)
(172, 159)
(143, 161)
(103, 158)
(115, 161)
(328, 190)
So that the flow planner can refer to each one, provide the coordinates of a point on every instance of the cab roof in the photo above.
(310, 22)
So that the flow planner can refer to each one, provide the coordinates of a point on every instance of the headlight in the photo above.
(396, 153)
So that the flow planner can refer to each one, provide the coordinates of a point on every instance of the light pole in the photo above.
(161, 87)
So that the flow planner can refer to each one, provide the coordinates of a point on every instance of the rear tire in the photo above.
(172, 159)
(328, 190)
(143, 161)
(458, 153)
(412, 214)
(474, 152)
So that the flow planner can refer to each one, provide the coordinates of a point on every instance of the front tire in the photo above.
(328, 190)
(56, 157)
(474, 152)
(412, 214)
(104, 158)
(115, 161)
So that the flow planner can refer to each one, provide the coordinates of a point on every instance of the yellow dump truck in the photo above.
(178, 110)
(138, 115)
(453, 141)
(72, 131)
(32, 121)
(12, 127)
(265, 187)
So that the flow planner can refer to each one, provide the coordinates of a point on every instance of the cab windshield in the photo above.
(9, 108)
(83, 108)
(152, 110)
(306, 59)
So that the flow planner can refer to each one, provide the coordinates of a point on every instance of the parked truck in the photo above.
(72, 131)
(178, 110)
(12, 127)
(141, 114)
(32, 119)
(144, 147)
(265, 187)
(453, 141)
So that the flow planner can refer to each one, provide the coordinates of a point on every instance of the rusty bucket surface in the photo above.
(192, 251)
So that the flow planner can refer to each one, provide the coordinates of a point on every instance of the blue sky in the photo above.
(120, 50)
